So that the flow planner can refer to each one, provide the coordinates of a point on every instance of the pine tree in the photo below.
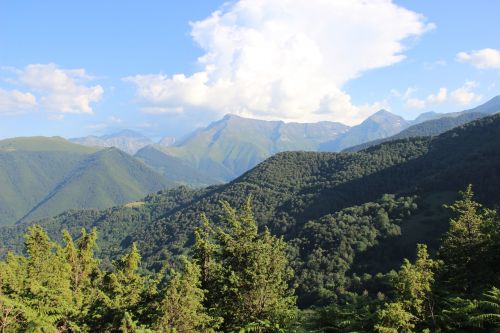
(465, 246)
(181, 306)
(84, 273)
(245, 272)
(120, 294)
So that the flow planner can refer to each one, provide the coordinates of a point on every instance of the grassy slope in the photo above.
(31, 166)
(233, 145)
(42, 176)
(173, 167)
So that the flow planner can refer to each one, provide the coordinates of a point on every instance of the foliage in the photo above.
(246, 273)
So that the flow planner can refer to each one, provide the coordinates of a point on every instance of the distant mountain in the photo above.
(492, 106)
(425, 117)
(127, 140)
(380, 125)
(41, 176)
(167, 141)
(227, 148)
(438, 123)
(427, 128)
(172, 167)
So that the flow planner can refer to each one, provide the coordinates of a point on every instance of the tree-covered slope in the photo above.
(172, 167)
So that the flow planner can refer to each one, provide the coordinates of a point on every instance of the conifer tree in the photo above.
(465, 246)
(120, 293)
(181, 306)
(84, 273)
(48, 283)
(245, 272)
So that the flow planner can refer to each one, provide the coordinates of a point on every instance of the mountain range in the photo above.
(40, 176)
(126, 140)
(332, 208)
(227, 148)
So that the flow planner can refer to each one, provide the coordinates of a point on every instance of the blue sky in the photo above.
(93, 67)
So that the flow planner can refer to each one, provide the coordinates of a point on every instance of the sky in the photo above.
(165, 68)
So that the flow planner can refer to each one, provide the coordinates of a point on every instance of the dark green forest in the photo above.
(237, 279)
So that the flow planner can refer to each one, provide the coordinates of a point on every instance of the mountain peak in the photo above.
(490, 107)
(124, 133)
(383, 116)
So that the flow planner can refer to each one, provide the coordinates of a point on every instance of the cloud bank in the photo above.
(285, 59)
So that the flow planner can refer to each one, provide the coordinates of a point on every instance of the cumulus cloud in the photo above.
(52, 89)
(464, 95)
(484, 59)
(15, 102)
(286, 59)
(461, 96)
(60, 90)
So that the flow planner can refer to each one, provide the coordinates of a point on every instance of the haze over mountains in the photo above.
(127, 140)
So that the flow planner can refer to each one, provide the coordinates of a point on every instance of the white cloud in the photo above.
(433, 99)
(464, 95)
(461, 96)
(438, 98)
(14, 102)
(286, 59)
(484, 59)
(59, 90)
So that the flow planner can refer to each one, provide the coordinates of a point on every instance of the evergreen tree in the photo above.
(465, 246)
(245, 272)
(120, 295)
(182, 307)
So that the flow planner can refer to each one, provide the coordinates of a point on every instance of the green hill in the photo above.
(41, 177)
(29, 168)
